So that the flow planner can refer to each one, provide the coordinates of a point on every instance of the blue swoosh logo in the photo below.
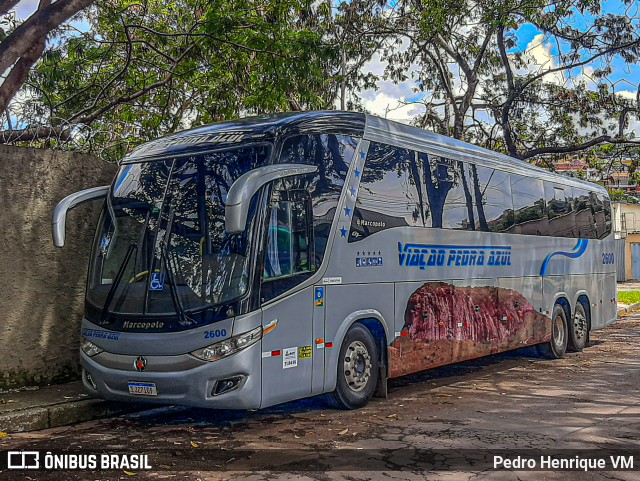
(577, 251)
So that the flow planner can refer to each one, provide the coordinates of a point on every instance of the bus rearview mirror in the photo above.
(244, 188)
(69, 202)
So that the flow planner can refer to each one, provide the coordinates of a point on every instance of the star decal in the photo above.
(353, 192)
(343, 232)
(358, 173)
(362, 155)
(347, 211)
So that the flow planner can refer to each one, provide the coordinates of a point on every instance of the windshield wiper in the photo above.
(116, 282)
(174, 289)
(164, 254)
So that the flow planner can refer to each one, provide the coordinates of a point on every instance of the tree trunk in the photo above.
(26, 36)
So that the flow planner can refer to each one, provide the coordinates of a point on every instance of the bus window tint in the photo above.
(388, 195)
(585, 215)
(528, 205)
(333, 154)
(559, 210)
(492, 197)
(278, 252)
(607, 217)
(287, 250)
(448, 193)
(597, 203)
(288, 258)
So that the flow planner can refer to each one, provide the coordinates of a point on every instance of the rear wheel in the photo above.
(578, 329)
(557, 346)
(357, 370)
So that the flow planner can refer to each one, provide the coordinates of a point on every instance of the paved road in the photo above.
(629, 286)
(449, 418)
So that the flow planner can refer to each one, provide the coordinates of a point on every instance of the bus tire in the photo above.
(578, 329)
(557, 346)
(357, 370)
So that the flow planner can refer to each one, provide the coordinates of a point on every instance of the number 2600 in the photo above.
(608, 258)
(214, 334)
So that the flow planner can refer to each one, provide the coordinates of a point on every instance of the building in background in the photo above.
(626, 225)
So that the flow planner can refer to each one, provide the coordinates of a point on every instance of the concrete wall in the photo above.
(42, 287)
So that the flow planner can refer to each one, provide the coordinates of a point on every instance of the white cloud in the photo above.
(390, 106)
(627, 94)
(586, 78)
(389, 99)
(539, 58)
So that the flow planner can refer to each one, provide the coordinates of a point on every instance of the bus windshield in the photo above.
(162, 247)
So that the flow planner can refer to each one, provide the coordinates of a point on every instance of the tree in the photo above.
(22, 47)
(478, 85)
(145, 70)
(574, 117)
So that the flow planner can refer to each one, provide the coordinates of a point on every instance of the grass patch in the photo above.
(629, 297)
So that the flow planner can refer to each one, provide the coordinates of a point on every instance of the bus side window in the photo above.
(289, 248)
(559, 206)
(585, 215)
(390, 193)
(528, 206)
(597, 202)
(449, 194)
(491, 190)
(607, 217)
(333, 153)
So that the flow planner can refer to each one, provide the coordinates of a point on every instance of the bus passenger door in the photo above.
(287, 350)
(287, 312)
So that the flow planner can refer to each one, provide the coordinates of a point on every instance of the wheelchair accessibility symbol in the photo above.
(157, 281)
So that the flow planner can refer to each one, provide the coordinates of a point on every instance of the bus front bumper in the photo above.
(233, 382)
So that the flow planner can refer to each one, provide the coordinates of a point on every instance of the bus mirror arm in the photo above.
(244, 188)
(59, 220)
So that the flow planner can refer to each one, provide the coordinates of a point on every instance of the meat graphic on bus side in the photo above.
(446, 323)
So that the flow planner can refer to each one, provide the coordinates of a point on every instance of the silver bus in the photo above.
(257, 261)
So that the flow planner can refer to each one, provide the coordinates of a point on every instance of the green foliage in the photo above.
(148, 69)
(467, 60)
(629, 297)
(617, 195)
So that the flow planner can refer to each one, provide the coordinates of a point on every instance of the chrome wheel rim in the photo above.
(357, 366)
(580, 325)
(558, 331)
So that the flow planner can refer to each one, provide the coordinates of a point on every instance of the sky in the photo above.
(26, 8)
(387, 98)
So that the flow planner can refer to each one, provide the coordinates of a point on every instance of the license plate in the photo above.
(143, 388)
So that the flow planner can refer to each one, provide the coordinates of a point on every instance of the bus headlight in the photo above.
(229, 346)
(89, 348)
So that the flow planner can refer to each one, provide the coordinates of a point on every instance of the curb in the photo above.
(623, 310)
(62, 414)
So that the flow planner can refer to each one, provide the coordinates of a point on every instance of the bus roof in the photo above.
(254, 129)
(408, 137)
(267, 127)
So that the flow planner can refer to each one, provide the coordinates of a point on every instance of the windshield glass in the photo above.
(162, 247)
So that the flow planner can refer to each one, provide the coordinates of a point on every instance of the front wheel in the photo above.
(557, 346)
(357, 369)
